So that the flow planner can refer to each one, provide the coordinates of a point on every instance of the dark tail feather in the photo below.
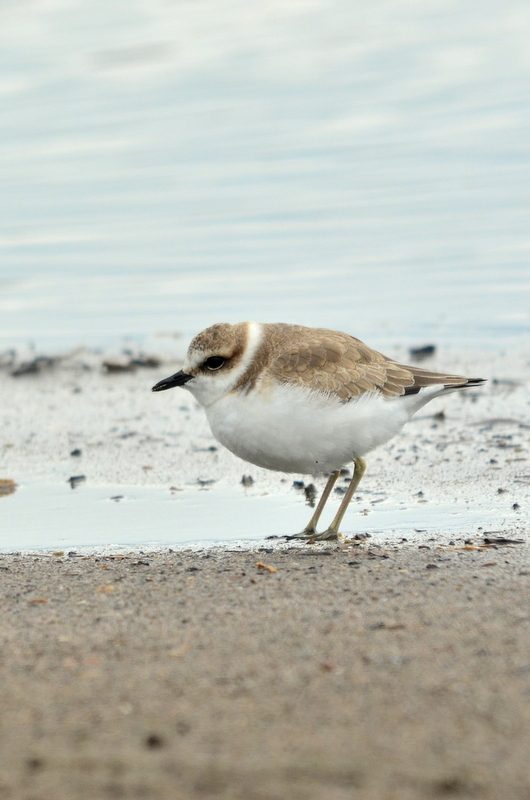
(467, 384)
(448, 387)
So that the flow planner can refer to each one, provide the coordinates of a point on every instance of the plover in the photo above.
(304, 400)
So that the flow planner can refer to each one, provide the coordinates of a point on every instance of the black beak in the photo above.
(178, 379)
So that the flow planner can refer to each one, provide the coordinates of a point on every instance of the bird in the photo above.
(307, 400)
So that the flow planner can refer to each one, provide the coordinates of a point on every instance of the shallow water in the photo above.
(359, 166)
(53, 516)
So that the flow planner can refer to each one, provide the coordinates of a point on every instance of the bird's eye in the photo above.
(215, 362)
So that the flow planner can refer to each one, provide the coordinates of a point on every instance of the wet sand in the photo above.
(345, 673)
(394, 668)
(77, 418)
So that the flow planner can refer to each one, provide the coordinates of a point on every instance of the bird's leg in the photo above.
(333, 530)
(310, 530)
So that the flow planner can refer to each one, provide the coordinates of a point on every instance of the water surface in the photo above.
(43, 515)
(360, 166)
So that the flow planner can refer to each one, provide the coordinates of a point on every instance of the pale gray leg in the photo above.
(358, 472)
(310, 530)
(333, 530)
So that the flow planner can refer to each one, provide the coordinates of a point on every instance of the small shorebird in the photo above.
(307, 400)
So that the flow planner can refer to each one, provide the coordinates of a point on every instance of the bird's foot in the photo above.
(313, 536)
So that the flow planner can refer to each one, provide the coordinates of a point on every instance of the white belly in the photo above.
(292, 430)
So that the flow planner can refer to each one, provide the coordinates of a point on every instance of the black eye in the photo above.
(215, 362)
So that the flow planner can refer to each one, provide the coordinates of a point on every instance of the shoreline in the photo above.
(467, 451)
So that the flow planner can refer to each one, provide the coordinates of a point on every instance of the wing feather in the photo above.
(341, 365)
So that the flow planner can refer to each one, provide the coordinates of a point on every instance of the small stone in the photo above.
(7, 486)
(421, 353)
(150, 362)
(154, 741)
(116, 366)
(75, 480)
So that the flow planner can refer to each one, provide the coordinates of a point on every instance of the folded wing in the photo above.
(341, 365)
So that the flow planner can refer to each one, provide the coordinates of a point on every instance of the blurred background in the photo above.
(356, 164)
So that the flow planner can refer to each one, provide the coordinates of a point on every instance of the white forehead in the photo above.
(194, 358)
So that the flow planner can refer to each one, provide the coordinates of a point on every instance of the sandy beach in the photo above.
(390, 667)
(331, 672)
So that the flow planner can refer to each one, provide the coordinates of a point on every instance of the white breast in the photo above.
(291, 429)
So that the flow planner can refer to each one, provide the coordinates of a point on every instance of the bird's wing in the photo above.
(341, 365)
